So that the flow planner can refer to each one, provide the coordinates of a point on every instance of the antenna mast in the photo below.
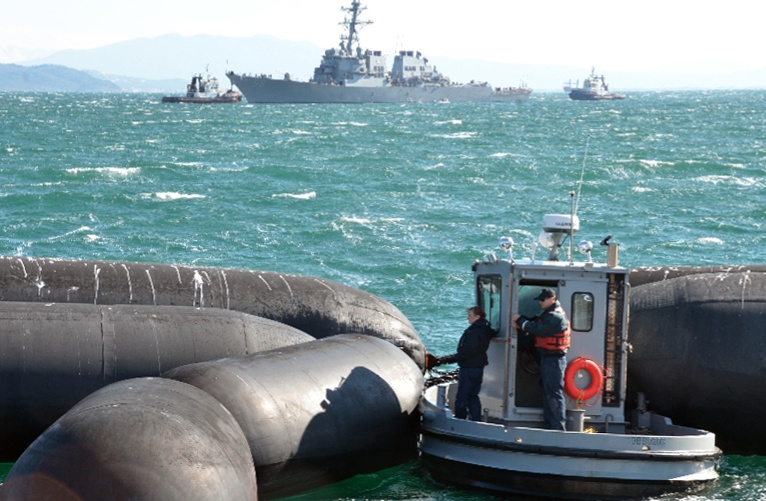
(582, 175)
(353, 26)
(571, 226)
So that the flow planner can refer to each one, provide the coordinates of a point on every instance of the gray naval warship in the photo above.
(353, 75)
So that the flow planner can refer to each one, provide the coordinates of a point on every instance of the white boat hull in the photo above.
(573, 465)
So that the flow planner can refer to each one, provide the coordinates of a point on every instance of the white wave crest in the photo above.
(172, 195)
(354, 219)
(458, 135)
(111, 171)
(731, 180)
(710, 240)
(81, 229)
(300, 196)
(653, 163)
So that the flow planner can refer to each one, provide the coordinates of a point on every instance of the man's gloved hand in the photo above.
(432, 361)
(447, 359)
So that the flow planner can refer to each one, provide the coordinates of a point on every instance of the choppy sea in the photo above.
(397, 200)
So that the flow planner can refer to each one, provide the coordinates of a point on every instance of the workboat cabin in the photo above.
(605, 452)
(594, 298)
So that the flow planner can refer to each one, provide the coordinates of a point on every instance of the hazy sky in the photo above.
(618, 35)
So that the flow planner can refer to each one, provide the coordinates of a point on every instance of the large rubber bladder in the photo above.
(316, 306)
(54, 355)
(699, 353)
(647, 274)
(318, 412)
(146, 438)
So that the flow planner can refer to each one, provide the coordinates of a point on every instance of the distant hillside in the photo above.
(134, 84)
(50, 78)
(179, 57)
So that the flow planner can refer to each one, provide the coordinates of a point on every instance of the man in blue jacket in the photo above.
(471, 357)
(552, 337)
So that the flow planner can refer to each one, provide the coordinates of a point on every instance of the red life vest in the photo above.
(555, 342)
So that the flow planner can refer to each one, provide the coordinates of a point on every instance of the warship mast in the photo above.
(353, 36)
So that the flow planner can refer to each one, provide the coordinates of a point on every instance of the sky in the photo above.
(621, 35)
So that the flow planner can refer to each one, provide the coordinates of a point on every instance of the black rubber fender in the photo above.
(54, 355)
(318, 412)
(647, 274)
(314, 305)
(699, 354)
(145, 438)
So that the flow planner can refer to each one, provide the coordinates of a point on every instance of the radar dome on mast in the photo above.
(555, 228)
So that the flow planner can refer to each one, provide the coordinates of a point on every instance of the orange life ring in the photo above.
(596, 378)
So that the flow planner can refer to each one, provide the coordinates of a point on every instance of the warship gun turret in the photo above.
(350, 74)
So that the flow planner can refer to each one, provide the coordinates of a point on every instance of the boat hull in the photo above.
(519, 483)
(577, 95)
(573, 465)
(203, 100)
(261, 89)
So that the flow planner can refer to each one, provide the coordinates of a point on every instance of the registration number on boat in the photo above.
(647, 440)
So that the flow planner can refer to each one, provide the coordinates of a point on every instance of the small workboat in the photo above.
(608, 450)
(204, 90)
(594, 88)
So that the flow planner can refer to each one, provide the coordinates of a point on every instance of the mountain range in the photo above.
(51, 77)
(167, 63)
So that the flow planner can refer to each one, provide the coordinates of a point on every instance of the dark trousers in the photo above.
(467, 401)
(552, 370)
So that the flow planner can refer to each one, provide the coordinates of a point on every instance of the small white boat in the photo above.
(594, 88)
(607, 451)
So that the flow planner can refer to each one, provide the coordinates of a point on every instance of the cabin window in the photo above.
(582, 311)
(488, 293)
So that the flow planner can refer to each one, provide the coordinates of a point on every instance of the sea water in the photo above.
(397, 200)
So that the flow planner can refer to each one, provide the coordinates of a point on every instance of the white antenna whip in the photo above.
(582, 175)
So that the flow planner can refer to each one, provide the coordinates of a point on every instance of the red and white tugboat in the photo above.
(205, 91)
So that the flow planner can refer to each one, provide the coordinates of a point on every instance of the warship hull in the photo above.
(260, 89)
